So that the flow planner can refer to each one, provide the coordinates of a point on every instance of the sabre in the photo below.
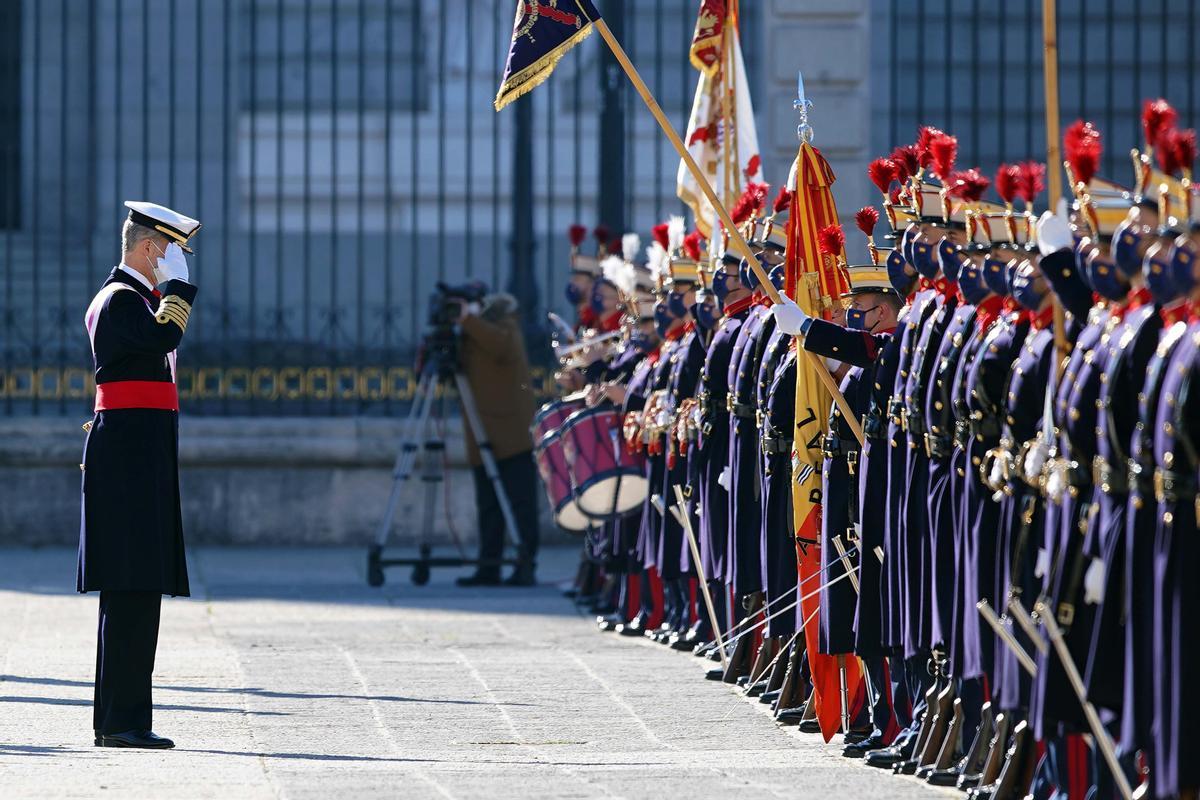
(1103, 740)
(841, 548)
(1026, 621)
(989, 614)
(691, 537)
(795, 603)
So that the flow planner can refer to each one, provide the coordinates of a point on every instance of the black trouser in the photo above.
(126, 642)
(519, 478)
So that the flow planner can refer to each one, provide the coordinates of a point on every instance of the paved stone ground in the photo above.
(287, 677)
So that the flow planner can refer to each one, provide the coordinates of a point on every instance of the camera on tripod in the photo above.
(445, 307)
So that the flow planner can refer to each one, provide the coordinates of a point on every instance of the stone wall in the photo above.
(246, 481)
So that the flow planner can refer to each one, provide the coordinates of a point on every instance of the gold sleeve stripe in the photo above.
(174, 309)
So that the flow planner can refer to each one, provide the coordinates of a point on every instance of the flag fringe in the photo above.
(536, 73)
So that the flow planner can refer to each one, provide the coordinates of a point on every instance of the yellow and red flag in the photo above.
(721, 135)
(815, 282)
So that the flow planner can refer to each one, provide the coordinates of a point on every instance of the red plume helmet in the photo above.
(661, 234)
(577, 233)
(866, 218)
(1033, 181)
(943, 149)
(758, 195)
(1082, 146)
(691, 245)
(907, 160)
(782, 200)
(832, 240)
(1008, 182)
(1185, 144)
(894, 196)
(1157, 116)
(969, 184)
(882, 172)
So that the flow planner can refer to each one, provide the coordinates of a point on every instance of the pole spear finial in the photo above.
(802, 104)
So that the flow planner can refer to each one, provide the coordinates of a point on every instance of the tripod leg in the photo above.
(406, 458)
(489, 460)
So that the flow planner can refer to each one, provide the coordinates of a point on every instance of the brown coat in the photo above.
(497, 369)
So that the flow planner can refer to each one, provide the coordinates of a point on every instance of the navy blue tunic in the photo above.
(131, 531)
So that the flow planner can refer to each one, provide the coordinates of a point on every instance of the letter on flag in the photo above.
(721, 135)
(542, 32)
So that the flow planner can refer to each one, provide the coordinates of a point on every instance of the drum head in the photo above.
(569, 517)
(612, 494)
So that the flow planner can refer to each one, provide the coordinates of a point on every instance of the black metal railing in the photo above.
(343, 157)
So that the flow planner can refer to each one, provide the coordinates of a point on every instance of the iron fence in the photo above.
(342, 156)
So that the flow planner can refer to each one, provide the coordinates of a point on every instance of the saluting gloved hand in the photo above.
(172, 266)
(789, 317)
(1053, 232)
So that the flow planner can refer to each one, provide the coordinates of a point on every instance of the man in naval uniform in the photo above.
(131, 535)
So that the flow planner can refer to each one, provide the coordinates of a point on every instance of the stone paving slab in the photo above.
(287, 677)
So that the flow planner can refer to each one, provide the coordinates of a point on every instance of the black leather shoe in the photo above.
(479, 579)
(521, 577)
(860, 749)
(889, 757)
(856, 736)
(756, 689)
(810, 726)
(789, 716)
(610, 622)
(143, 740)
(715, 674)
(635, 626)
(766, 698)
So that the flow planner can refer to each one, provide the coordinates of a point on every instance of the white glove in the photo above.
(1035, 461)
(1093, 583)
(1053, 233)
(172, 266)
(788, 316)
(723, 480)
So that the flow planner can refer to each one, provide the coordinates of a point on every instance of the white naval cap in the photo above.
(170, 223)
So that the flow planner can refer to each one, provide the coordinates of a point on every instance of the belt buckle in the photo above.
(1159, 486)
(928, 446)
(1066, 613)
(729, 402)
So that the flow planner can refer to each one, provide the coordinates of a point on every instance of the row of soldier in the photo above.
(1021, 508)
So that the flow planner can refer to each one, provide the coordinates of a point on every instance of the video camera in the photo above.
(445, 307)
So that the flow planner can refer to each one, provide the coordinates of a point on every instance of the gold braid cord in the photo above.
(174, 309)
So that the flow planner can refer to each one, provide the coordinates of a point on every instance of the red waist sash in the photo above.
(115, 395)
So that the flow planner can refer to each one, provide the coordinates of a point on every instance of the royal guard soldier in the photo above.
(712, 454)
(643, 342)
(874, 346)
(651, 427)
(133, 552)
(683, 376)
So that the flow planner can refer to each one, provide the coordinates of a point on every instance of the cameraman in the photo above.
(492, 357)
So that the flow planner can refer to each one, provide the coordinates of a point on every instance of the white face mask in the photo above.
(158, 276)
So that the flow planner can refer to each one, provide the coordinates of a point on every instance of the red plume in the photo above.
(758, 194)
(1008, 181)
(1082, 146)
(602, 234)
(907, 160)
(943, 149)
(894, 196)
(662, 234)
(1157, 116)
(1185, 144)
(925, 136)
(832, 240)
(1033, 180)
(691, 245)
(866, 218)
(969, 184)
(577, 233)
(1175, 150)
(882, 172)
(782, 200)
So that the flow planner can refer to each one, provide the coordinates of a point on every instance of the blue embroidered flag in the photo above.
(543, 31)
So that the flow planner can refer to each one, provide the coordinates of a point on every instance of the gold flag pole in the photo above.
(740, 244)
(1053, 154)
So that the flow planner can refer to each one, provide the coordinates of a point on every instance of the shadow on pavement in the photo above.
(67, 701)
(310, 756)
(254, 691)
